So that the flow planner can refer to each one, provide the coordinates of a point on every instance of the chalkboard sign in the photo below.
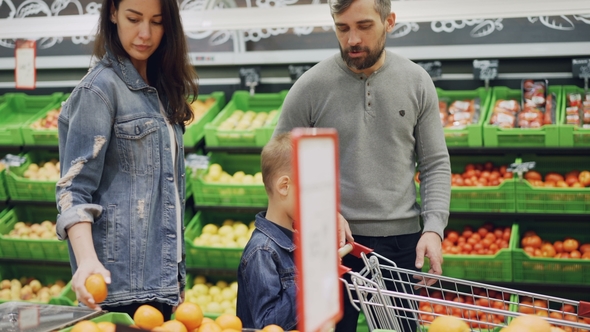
(433, 68)
(296, 71)
(485, 69)
(581, 68)
(250, 78)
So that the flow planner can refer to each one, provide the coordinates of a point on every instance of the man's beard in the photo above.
(370, 58)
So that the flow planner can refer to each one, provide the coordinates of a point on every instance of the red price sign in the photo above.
(25, 71)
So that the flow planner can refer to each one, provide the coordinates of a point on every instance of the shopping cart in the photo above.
(390, 297)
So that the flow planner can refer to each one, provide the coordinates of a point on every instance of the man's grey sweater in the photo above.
(386, 123)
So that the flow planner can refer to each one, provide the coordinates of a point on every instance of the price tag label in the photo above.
(485, 69)
(296, 71)
(28, 317)
(25, 72)
(521, 168)
(581, 68)
(196, 162)
(11, 160)
(433, 68)
(250, 76)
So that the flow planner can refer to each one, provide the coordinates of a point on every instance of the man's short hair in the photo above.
(337, 7)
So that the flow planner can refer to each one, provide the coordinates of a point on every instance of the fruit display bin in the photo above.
(41, 137)
(533, 199)
(481, 199)
(118, 318)
(23, 189)
(571, 135)
(211, 280)
(531, 269)
(242, 100)
(209, 256)
(23, 248)
(496, 267)
(19, 108)
(42, 273)
(546, 136)
(471, 135)
(195, 131)
(229, 194)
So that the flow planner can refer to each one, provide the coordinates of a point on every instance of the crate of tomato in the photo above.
(574, 120)
(555, 185)
(477, 250)
(480, 184)
(550, 252)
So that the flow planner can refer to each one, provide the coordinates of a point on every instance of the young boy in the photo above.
(266, 275)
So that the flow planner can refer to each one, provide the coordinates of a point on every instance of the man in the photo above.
(385, 109)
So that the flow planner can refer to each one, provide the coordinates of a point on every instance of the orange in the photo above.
(147, 317)
(107, 326)
(189, 314)
(231, 330)
(207, 320)
(209, 327)
(85, 326)
(229, 321)
(448, 324)
(97, 287)
(273, 328)
(174, 326)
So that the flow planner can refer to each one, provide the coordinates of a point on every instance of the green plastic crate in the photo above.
(196, 130)
(496, 267)
(41, 137)
(113, 317)
(227, 194)
(207, 256)
(261, 102)
(480, 199)
(551, 270)
(23, 189)
(18, 108)
(571, 135)
(67, 297)
(546, 136)
(3, 191)
(532, 199)
(47, 275)
(471, 135)
(43, 249)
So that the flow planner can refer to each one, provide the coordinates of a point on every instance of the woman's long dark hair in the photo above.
(168, 68)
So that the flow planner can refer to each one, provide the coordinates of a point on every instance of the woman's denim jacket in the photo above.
(266, 278)
(117, 173)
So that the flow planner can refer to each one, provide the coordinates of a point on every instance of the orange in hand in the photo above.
(147, 317)
(97, 287)
(189, 314)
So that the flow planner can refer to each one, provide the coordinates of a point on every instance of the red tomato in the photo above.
(482, 231)
(584, 178)
(469, 167)
(558, 245)
(467, 231)
(533, 175)
(571, 179)
(503, 169)
(547, 250)
(488, 166)
(570, 245)
(453, 236)
(585, 248)
(554, 177)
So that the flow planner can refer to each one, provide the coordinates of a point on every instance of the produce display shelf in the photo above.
(545, 136)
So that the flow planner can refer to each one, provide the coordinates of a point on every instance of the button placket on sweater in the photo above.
(368, 97)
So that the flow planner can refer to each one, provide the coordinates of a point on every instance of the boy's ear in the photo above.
(282, 185)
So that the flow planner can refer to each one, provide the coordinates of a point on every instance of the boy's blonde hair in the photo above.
(275, 160)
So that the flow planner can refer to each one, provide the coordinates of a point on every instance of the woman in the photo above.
(121, 195)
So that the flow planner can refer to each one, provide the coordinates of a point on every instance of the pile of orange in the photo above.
(188, 317)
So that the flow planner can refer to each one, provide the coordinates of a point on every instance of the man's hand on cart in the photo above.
(429, 246)
(344, 233)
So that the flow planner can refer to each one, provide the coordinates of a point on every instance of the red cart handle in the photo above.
(584, 309)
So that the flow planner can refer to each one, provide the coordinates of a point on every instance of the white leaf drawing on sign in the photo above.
(93, 8)
(482, 27)
(403, 29)
(584, 18)
(562, 22)
(217, 37)
(11, 6)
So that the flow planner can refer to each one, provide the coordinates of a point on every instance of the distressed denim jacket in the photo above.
(266, 278)
(117, 173)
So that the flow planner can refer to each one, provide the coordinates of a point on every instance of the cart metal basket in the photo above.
(403, 300)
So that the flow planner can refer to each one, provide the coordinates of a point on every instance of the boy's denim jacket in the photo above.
(266, 278)
(117, 173)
